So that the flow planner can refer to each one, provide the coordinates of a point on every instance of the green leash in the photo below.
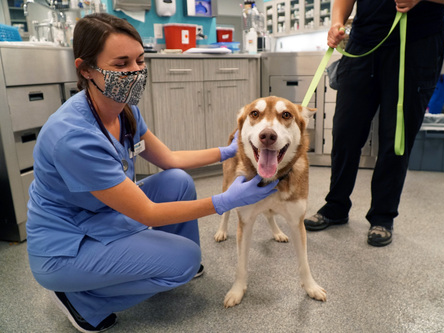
(400, 18)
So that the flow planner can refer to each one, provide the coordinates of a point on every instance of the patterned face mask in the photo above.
(123, 87)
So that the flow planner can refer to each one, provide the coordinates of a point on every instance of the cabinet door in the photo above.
(223, 100)
(269, 17)
(179, 118)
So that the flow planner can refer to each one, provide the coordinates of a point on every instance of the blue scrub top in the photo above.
(72, 157)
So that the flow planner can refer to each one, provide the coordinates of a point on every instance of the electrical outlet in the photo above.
(158, 30)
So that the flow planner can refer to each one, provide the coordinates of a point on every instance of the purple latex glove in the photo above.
(229, 151)
(242, 193)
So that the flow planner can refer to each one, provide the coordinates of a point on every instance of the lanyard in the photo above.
(399, 134)
(124, 133)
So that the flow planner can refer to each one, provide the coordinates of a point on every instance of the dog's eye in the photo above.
(254, 114)
(286, 115)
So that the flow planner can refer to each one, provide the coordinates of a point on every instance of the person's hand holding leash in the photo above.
(242, 193)
(404, 6)
(335, 35)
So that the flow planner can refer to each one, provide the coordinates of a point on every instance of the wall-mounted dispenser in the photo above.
(204, 8)
(165, 7)
(132, 5)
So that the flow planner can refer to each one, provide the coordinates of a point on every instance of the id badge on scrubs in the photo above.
(138, 148)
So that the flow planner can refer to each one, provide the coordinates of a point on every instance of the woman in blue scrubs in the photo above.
(97, 240)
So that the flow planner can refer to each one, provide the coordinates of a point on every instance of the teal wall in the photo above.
(147, 29)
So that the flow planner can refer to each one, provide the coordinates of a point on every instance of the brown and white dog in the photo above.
(272, 143)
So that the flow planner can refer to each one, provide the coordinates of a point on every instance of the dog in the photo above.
(272, 142)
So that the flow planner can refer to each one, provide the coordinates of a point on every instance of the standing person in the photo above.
(88, 236)
(369, 83)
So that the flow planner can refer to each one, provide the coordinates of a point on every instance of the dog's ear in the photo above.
(307, 113)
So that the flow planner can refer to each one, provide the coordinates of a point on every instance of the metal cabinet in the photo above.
(289, 75)
(369, 151)
(34, 82)
(195, 100)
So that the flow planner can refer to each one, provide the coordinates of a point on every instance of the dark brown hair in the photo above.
(90, 35)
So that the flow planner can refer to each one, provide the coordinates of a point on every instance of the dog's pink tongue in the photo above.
(267, 163)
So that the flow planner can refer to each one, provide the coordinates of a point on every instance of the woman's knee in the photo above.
(174, 185)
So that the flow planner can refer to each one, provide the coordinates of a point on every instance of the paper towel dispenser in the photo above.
(132, 5)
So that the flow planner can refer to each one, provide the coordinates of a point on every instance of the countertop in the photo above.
(43, 45)
(200, 55)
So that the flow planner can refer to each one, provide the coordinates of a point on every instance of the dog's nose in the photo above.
(268, 137)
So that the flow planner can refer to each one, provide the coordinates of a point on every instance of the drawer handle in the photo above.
(292, 83)
(35, 96)
(228, 69)
(180, 70)
(29, 137)
(73, 91)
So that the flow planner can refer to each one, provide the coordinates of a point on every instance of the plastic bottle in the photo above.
(251, 41)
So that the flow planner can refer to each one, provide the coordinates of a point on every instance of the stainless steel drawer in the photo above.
(30, 106)
(176, 70)
(225, 69)
(24, 146)
(27, 179)
(292, 88)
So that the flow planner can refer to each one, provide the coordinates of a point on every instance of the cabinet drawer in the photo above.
(225, 69)
(27, 179)
(329, 110)
(330, 94)
(292, 88)
(31, 106)
(176, 70)
(24, 146)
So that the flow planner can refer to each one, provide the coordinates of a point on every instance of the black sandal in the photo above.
(379, 236)
(320, 222)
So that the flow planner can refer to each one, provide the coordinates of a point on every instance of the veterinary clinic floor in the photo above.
(398, 288)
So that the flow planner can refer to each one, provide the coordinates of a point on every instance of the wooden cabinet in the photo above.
(284, 17)
(194, 102)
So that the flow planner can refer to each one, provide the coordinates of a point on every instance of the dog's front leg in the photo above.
(237, 291)
(299, 237)
(221, 233)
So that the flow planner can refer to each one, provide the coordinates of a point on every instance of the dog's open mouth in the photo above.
(268, 160)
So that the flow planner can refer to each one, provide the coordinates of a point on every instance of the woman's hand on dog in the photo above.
(242, 193)
(231, 150)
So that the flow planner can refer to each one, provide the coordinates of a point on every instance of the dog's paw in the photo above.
(316, 292)
(220, 236)
(280, 237)
(233, 298)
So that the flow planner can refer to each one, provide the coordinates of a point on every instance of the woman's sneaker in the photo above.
(199, 272)
(76, 319)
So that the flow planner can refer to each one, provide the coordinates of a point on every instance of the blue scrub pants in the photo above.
(103, 279)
